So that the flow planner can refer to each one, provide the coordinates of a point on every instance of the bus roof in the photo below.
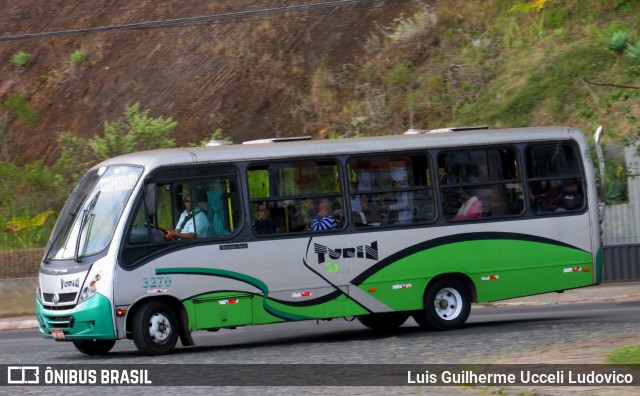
(315, 148)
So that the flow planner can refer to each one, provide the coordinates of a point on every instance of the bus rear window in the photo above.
(554, 179)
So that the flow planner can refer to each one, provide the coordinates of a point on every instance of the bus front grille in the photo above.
(63, 298)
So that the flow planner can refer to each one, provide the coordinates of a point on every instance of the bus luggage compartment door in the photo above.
(216, 311)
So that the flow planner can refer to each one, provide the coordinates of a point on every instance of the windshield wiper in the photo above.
(70, 215)
(85, 214)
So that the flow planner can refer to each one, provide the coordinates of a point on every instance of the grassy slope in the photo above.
(477, 62)
(459, 63)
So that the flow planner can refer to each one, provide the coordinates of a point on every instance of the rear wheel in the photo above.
(447, 304)
(384, 321)
(155, 328)
(94, 347)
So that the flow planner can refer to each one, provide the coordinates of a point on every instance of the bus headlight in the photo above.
(89, 290)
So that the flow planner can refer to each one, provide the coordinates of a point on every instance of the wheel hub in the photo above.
(448, 303)
(443, 304)
(159, 328)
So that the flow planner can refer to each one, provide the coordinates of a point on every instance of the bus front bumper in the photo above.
(90, 320)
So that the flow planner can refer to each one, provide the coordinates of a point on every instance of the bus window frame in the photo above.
(160, 176)
(581, 176)
(272, 201)
(517, 148)
(429, 187)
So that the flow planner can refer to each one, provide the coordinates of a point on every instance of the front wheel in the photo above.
(94, 347)
(155, 328)
(447, 304)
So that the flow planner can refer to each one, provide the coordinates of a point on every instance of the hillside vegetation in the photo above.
(374, 69)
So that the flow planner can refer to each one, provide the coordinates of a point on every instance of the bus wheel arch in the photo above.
(447, 302)
(155, 324)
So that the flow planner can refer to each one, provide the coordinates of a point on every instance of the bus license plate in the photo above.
(57, 334)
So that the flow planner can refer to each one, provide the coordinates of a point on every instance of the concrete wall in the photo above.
(17, 296)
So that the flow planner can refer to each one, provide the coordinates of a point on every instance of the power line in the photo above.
(68, 11)
(237, 16)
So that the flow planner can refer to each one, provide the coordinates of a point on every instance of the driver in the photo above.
(189, 222)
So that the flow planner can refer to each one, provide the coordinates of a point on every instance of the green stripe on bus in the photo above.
(499, 269)
(266, 303)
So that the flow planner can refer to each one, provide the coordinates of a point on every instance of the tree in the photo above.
(136, 132)
(76, 157)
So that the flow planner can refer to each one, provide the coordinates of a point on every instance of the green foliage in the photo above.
(633, 53)
(77, 57)
(215, 136)
(21, 59)
(400, 76)
(536, 6)
(27, 195)
(76, 157)
(618, 41)
(622, 5)
(16, 104)
(136, 132)
(553, 82)
(625, 355)
(454, 63)
(616, 175)
(516, 63)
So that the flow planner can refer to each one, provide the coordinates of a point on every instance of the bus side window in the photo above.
(292, 191)
(164, 211)
(140, 228)
(390, 190)
(223, 206)
(203, 208)
(555, 183)
(480, 183)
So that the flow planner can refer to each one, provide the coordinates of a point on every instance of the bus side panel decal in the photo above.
(329, 305)
(499, 268)
(452, 239)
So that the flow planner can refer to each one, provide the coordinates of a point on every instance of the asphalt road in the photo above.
(506, 330)
(491, 335)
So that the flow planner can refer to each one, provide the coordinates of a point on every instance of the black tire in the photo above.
(447, 304)
(384, 321)
(94, 347)
(155, 328)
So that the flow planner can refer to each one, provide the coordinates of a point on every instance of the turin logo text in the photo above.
(363, 251)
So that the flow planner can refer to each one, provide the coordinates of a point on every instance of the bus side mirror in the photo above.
(150, 199)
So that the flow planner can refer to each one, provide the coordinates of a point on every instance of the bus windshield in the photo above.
(92, 211)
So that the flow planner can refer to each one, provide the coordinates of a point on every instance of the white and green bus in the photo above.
(154, 245)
